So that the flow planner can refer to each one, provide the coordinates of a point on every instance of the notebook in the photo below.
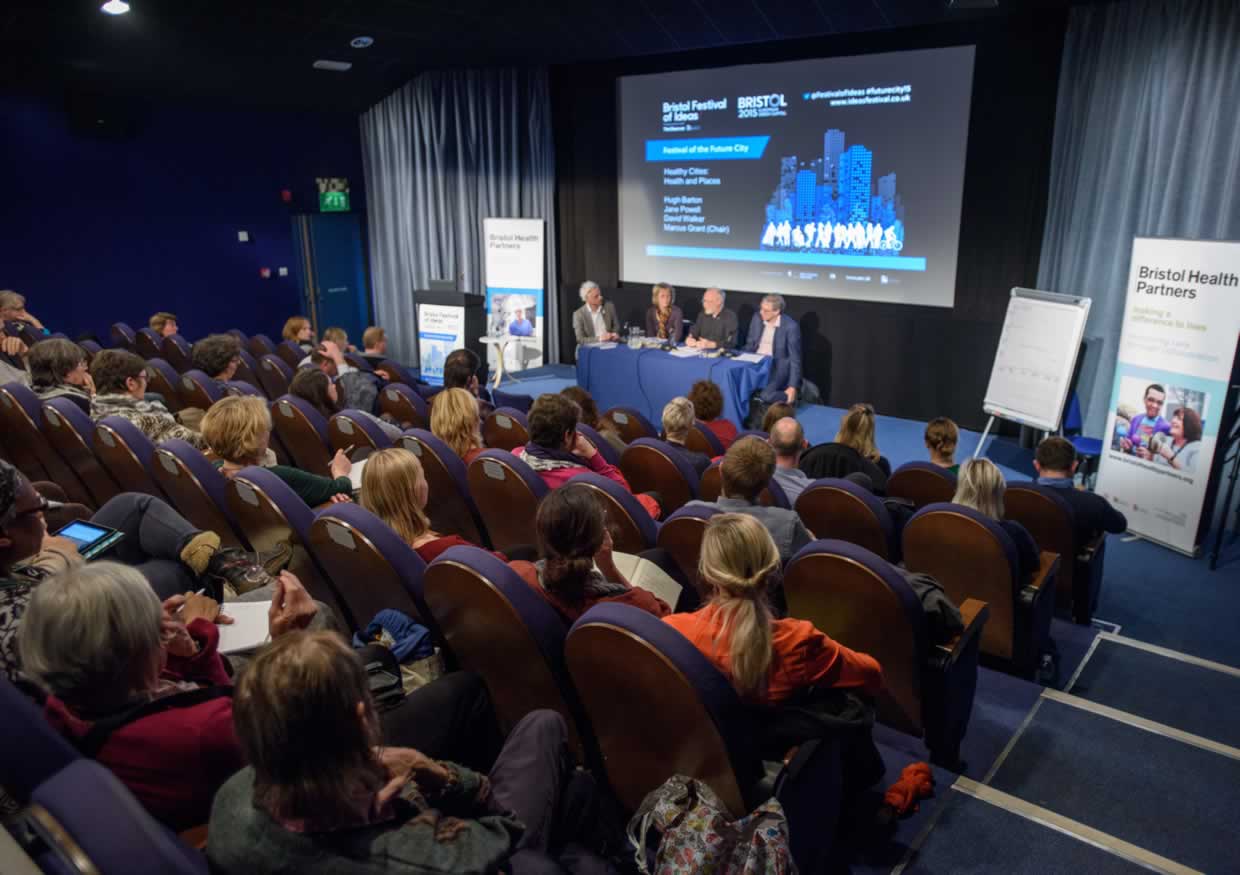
(645, 574)
(248, 629)
(355, 474)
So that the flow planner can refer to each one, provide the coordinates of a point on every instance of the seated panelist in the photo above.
(773, 332)
(595, 320)
(715, 327)
(664, 320)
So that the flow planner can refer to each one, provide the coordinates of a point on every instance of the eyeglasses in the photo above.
(41, 507)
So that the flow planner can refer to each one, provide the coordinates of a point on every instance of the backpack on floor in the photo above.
(697, 834)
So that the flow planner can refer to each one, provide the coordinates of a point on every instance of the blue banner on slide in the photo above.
(826, 259)
(710, 148)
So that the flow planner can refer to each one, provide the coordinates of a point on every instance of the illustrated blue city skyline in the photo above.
(834, 193)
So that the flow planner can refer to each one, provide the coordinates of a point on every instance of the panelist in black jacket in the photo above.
(715, 327)
(1056, 463)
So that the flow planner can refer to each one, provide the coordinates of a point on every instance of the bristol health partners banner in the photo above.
(441, 329)
(1175, 359)
(515, 269)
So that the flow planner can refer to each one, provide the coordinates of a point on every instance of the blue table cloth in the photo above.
(646, 379)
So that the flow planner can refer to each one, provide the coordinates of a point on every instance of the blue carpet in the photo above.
(975, 836)
(1163, 795)
(1195, 699)
(1073, 643)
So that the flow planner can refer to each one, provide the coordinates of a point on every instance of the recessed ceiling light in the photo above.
(115, 7)
(362, 42)
(334, 66)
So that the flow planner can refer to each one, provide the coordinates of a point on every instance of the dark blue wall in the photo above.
(99, 229)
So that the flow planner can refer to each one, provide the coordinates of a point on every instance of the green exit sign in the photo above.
(333, 201)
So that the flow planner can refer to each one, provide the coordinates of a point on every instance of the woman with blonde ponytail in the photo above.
(768, 660)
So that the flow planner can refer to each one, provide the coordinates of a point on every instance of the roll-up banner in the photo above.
(515, 270)
(1176, 354)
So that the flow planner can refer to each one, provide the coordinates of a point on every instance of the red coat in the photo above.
(173, 761)
(636, 596)
(724, 429)
(557, 477)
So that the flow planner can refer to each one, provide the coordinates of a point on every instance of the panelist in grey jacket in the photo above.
(595, 320)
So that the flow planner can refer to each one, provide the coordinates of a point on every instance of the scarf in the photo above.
(542, 459)
(663, 319)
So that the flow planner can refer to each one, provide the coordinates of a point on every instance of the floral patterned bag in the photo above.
(698, 836)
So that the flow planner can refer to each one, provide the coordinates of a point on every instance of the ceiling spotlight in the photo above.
(362, 42)
(115, 7)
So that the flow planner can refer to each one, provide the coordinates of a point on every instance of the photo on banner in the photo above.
(515, 291)
(1176, 355)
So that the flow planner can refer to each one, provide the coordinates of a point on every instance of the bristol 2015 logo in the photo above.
(761, 106)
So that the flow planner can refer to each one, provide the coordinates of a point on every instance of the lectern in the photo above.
(447, 321)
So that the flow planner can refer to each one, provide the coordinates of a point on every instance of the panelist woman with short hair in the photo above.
(773, 332)
(595, 320)
(664, 320)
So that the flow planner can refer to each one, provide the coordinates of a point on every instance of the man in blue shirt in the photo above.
(1092, 514)
(1143, 428)
(520, 326)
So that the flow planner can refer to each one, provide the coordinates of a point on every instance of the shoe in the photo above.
(232, 572)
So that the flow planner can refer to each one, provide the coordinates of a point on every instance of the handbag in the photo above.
(699, 837)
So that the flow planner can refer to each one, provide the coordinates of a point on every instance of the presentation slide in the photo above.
(831, 177)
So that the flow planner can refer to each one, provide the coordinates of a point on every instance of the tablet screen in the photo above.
(83, 534)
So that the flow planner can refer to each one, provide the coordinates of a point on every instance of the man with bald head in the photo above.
(715, 327)
(788, 440)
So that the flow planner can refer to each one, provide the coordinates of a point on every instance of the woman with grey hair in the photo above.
(139, 685)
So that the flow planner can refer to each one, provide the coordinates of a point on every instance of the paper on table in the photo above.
(645, 574)
(608, 345)
(749, 357)
(248, 629)
(686, 352)
(355, 474)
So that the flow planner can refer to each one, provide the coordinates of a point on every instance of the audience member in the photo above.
(747, 469)
(321, 795)
(1092, 514)
(360, 389)
(852, 455)
(58, 370)
(595, 320)
(394, 489)
(238, 431)
(164, 324)
(455, 421)
(120, 381)
(340, 337)
(13, 367)
(460, 371)
(1181, 451)
(788, 441)
(374, 345)
(557, 452)
(708, 406)
(590, 416)
(577, 569)
(13, 309)
(318, 390)
(942, 436)
(217, 356)
(140, 686)
(715, 327)
(980, 485)
(298, 330)
(857, 431)
(677, 420)
(775, 413)
(774, 333)
(664, 320)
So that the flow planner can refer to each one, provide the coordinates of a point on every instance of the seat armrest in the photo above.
(974, 613)
(1048, 566)
(1087, 552)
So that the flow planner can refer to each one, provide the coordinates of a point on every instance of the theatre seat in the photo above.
(681, 536)
(511, 399)
(702, 440)
(72, 434)
(163, 379)
(1051, 521)
(359, 361)
(632, 528)
(91, 348)
(452, 512)
(33, 751)
(241, 336)
(710, 488)
(842, 510)
(659, 708)
(261, 345)
(861, 601)
(22, 446)
(291, 353)
(405, 405)
(274, 375)
(630, 424)
(127, 454)
(507, 493)
(21, 416)
(971, 556)
(303, 431)
(650, 465)
(600, 443)
(922, 483)
(497, 626)
(196, 489)
(247, 372)
(148, 344)
(505, 429)
(123, 337)
(398, 372)
(199, 390)
(351, 429)
(177, 352)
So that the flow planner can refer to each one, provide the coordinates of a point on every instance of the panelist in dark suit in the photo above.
(715, 327)
(1092, 514)
(664, 320)
(773, 332)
